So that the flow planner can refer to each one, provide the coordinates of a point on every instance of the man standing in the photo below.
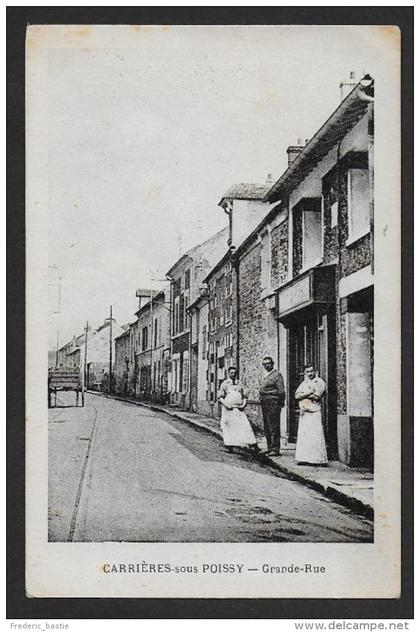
(272, 398)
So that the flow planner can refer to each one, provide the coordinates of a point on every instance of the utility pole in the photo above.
(151, 340)
(110, 349)
(85, 377)
(56, 352)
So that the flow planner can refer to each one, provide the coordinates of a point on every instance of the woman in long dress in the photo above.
(310, 445)
(236, 429)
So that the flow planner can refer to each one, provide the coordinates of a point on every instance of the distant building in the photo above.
(71, 356)
(199, 312)
(142, 360)
(122, 361)
(52, 359)
(187, 276)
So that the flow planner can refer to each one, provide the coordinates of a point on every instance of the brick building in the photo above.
(324, 305)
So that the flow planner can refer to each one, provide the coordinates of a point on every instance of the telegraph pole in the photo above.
(85, 380)
(110, 349)
(56, 352)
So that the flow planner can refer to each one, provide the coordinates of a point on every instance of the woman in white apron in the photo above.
(236, 429)
(310, 444)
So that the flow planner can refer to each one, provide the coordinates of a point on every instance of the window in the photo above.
(358, 196)
(334, 214)
(266, 262)
(187, 279)
(312, 238)
(185, 373)
(204, 343)
(156, 332)
(145, 342)
(176, 315)
(229, 284)
(186, 303)
(228, 310)
(175, 372)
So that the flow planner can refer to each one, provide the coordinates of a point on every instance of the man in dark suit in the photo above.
(272, 397)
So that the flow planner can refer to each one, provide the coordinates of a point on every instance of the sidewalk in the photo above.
(351, 487)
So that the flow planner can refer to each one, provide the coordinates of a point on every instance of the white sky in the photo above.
(145, 135)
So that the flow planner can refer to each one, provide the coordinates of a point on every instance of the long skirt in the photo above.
(310, 445)
(236, 429)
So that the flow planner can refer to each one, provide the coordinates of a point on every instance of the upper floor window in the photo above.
(185, 323)
(176, 315)
(358, 198)
(145, 339)
(204, 342)
(266, 261)
(311, 238)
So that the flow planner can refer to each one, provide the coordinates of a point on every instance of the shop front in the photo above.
(306, 309)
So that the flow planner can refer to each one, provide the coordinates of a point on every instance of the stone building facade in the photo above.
(199, 312)
(122, 362)
(260, 263)
(326, 302)
(186, 277)
(142, 362)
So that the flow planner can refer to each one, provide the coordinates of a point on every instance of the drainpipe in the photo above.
(236, 266)
(170, 279)
(371, 181)
(189, 360)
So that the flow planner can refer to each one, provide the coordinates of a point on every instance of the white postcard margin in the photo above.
(351, 570)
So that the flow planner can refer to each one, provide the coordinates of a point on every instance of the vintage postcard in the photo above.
(213, 311)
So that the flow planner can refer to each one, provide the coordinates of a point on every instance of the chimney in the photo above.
(294, 150)
(347, 86)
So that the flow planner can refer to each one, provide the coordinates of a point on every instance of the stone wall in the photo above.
(251, 326)
(279, 253)
(297, 241)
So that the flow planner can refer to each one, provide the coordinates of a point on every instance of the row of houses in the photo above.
(89, 352)
(291, 276)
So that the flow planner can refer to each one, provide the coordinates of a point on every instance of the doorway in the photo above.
(312, 341)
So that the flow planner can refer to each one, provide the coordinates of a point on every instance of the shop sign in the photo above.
(295, 295)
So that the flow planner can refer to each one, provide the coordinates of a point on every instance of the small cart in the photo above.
(62, 380)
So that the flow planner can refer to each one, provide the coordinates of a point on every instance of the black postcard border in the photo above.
(18, 605)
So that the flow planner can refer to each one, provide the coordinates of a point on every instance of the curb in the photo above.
(355, 504)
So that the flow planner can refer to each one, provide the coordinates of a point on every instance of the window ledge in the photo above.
(181, 333)
(314, 264)
(266, 293)
(357, 237)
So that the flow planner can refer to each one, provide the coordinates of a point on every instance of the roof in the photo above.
(156, 294)
(219, 264)
(124, 333)
(244, 191)
(74, 351)
(272, 213)
(348, 113)
(195, 250)
(202, 298)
